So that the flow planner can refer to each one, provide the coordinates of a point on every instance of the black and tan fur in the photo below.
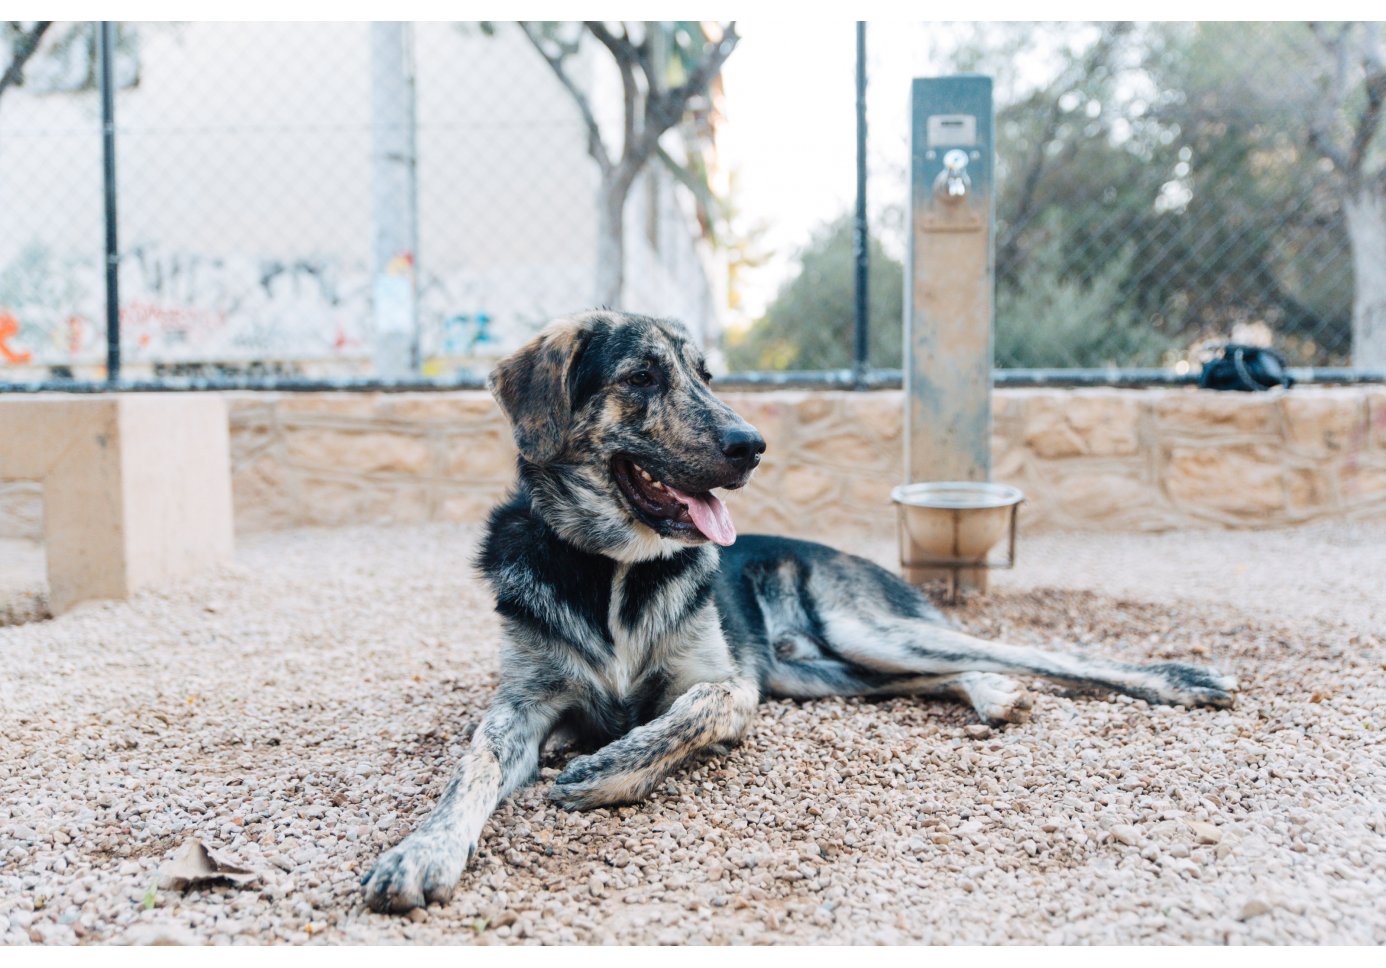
(644, 642)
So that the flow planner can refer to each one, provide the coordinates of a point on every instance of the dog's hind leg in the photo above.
(627, 769)
(846, 608)
(426, 866)
(997, 699)
(899, 644)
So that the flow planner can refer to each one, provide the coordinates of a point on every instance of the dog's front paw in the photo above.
(598, 780)
(1187, 685)
(421, 870)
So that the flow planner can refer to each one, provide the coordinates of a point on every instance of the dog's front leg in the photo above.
(426, 866)
(629, 768)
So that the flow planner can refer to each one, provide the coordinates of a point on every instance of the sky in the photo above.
(790, 132)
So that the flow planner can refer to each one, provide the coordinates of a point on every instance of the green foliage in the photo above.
(809, 324)
(1157, 184)
(1058, 320)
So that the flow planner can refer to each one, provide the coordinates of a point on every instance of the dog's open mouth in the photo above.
(667, 509)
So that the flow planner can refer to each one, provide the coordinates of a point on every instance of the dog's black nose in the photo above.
(743, 446)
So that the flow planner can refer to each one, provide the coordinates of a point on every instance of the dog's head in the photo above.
(621, 440)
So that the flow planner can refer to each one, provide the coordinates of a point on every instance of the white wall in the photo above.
(245, 203)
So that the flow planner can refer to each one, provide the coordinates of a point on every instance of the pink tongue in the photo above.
(709, 514)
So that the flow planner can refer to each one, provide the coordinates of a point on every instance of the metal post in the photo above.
(106, 78)
(394, 200)
(949, 285)
(860, 230)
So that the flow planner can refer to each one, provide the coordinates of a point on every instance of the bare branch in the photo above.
(24, 48)
(595, 146)
(1335, 46)
(626, 56)
(620, 46)
(1368, 121)
(1321, 124)
(1372, 56)
(664, 109)
(1322, 142)
(707, 203)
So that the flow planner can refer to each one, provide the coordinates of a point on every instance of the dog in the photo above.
(638, 625)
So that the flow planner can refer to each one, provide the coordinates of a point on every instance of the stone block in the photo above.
(342, 502)
(136, 488)
(1245, 480)
(813, 407)
(1376, 415)
(365, 452)
(880, 412)
(849, 448)
(316, 407)
(469, 506)
(21, 510)
(1007, 462)
(1309, 490)
(871, 494)
(1211, 413)
(488, 456)
(250, 438)
(1081, 423)
(758, 512)
(1097, 498)
(806, 486)
(1326, 422)
(263, 494)
(464, 407)
(1363, 482)
(769, 414)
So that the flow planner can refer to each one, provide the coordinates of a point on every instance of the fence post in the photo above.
(950, 286)
(861, 229)
(105, 30)
(394, 201)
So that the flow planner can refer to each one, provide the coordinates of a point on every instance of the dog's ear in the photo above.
(531, 386)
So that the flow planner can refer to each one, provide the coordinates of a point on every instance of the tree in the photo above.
(1176, 144)
(1343, 127)
(23, 44)
(808, 326)
(665, 69)
(69, 61)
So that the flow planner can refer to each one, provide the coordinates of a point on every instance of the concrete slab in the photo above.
(136, 488)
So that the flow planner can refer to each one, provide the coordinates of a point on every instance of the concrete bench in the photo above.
(136, 488)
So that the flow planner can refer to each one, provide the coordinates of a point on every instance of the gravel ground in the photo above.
(298, 712)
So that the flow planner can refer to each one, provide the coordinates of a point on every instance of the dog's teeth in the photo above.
(646, 475)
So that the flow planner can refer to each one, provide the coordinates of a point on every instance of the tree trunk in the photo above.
(611, 243)
(1365, 213)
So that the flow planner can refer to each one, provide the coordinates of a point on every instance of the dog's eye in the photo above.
(707, 377)
(641, 378)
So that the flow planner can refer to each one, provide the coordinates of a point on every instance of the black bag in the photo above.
(1241, 367)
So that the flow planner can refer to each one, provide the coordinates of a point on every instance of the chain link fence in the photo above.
(320, 201)
(1161, 189)
(386, 201)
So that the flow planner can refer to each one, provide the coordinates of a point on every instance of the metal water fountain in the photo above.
(951, 516)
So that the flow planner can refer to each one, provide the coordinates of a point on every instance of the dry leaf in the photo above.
(196, 866)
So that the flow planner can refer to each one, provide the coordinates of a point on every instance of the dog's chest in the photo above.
(659, 634)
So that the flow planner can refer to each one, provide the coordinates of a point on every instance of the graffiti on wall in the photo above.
(184, 309)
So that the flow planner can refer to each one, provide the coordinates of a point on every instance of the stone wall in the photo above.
(1093, 459)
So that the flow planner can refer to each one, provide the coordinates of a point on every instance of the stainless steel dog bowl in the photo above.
(954, 524)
